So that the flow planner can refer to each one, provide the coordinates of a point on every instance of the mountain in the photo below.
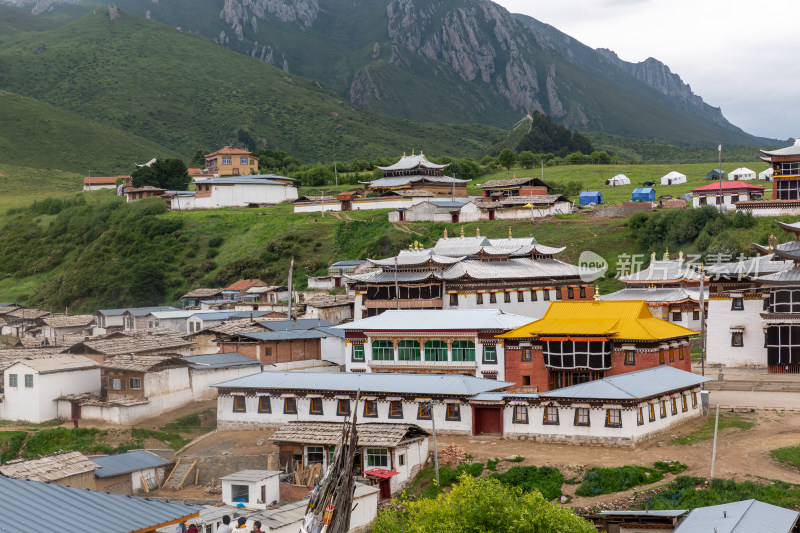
(184, 92)
(452, 61)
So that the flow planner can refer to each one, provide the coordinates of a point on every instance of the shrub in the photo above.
(598, 481)
(215, 242)
(683, 493)
(545, 479)
(671, 467)
(491, 464)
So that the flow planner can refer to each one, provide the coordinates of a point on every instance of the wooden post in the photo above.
(170, 474)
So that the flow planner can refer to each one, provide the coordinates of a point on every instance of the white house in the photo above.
(766, 175)
(255, 489)
(127, 473)
(741, 516)
(726, 194)
(31, 387)
(115, 319)
(438, 210)
(235, 191)
(449, 341)
(619, 179)
(620, 410)
(56, 326)
(673, 178)
(743, 174)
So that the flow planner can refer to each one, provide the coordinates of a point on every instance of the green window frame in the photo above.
(382, 351)
(408, 351)
(489, 353)
(463, 351)
(358, 352)
(377, 458)
(436, 351)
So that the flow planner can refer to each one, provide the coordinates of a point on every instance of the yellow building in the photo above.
(230, 161)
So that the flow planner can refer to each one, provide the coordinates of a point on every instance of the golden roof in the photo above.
(624, 319)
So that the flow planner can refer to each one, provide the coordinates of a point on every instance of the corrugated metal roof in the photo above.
(349, 262)
(219, 360)
(135, 311)
(447, 203)
(445, 319)
(331, 331)
(747, 516)
(657, 295)
(631, 385)
(753, 267)
(423, 384)
(787, 276)
(300, 323)
(286, 335)
(33, 505)
(124, 463)
(252, 476)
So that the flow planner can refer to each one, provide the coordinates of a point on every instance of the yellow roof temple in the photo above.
(620, 319)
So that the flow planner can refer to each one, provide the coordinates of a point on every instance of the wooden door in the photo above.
(76, 410)
(491, 214)
(385, 489)
(488, 420)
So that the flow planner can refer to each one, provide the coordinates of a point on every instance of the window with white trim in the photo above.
(582, 416)
(116, 384)
(550, 415)
(135, 383)
(614, 418)
(463, 351)
(382, 350)
(520, 414)
(377, 458)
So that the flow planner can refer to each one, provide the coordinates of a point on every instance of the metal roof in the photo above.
(631, 385)
(663, 270)
(657, 295)
(331, 331)
(447, 203)
(219, 360)
(668, 513)
(244, 180)
(31, 505)
(125, 463)
(753, 267)
(789, 150)
(445, 319)
(285, 335)
(422, 384)
(252, 476)
(747, 516)
(790, 277)
(135, 311)
(350, 262)
(300, 323)
(408, 162)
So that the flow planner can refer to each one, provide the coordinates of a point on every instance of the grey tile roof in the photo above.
(421, 384)
(400, 181)
(511, 182)
(125, 463)
(467, 319)
(515, 268)
(369, 434)
(789, 277)
(219, 360)
(331, 331)
(390, 277)
(64, 363)
(135, 311)
(69, 321)
(631, 385)
(418, 257)
(31, 505)
(50, 467)
(789, 150)
(202, 293)
(349, 262)
(408, 162)
(753, 267)
(663, 270)
(747, 516)
(657, 295)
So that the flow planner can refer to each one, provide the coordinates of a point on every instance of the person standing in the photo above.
(226, 525)
(257, 527)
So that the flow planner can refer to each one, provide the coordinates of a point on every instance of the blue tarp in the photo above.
(590, 197)
(644, 194)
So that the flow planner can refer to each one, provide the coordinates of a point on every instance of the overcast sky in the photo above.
(740, 55)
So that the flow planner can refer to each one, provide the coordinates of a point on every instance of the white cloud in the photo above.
(736, 54)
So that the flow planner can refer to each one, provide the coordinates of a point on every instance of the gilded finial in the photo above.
(411, 246)
(596, 293)
(416, 245)
(666, 254)
(445, 233)
(462, 231)
(773, 242)
(509, 232)
(412, 151)
(477, 232)
(404, 154)
(680, 255)
(653, 256)
(420, 152)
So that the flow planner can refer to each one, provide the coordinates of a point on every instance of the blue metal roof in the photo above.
(368, 382)
(136, 311)
(225, 315)
(631, 385)
(332, 331)
(285, 335)
(747, 516)
(32, 505)
(444, 203)
(301, 323)
(220, 360)
(125, 463)
(349, 262)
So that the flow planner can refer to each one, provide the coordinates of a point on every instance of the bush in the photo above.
(683, 493)
(598, 481)
(545, 479)
(491, 464)
(670, 467)
(215, 242)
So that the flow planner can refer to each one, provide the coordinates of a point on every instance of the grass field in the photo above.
(706, 432)
(20, 186)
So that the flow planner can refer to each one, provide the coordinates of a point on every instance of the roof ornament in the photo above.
(416, 245)
(420, 152)
(412, 151)
(404, 154)
(653, 256)
(477, 232)
(596, 293)
(773, 242)
(680, 255)
(445, 233)
(509, 233)
(666, 255)
(462, 231)
(411, 246)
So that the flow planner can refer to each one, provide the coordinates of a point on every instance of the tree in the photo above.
(170, 174)
(481, 504)
(526, 159)
(199, 158)
(507, 158)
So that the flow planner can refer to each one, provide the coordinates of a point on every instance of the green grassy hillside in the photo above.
(184, 92)
(35, 134)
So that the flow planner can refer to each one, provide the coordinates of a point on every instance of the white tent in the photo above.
(766, 175)
(619, 179)
(673, 178)
(742, 173)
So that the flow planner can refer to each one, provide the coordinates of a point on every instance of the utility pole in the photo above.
(714, 450)
(719, 170)
(702, 320)
(435, 451)
(336, 173)
(542, 162)
(291, 291)
(322, 196)
(396, 286)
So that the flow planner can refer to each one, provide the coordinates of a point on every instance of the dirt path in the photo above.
(404, 228)
(741, 455)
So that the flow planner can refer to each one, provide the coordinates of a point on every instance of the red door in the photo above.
(491, 214)
(454, 217)
(76, 410)
(385, 489)
(487, 420)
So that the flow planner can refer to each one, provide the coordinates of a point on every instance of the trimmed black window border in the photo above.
(483, 356)
(420, 415)
(261, 408)
(243, 408)
(547, 422)
(395, 417)
(346, 404)
(312, 411)
(588, 417)
(456, 417)
(519, 420)
(286, 403)
(609, 424)
(374, 403)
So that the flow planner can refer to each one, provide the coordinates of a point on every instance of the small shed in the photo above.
(129, 472)
(644, 194)
(619, 179)
(590, 197)
(742, 173)
(673, 178)
(766, 175)
(254, 489)
(715, 174)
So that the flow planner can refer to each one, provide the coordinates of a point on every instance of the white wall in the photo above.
(718, 333)
(273, 492)
(334, 349)
(38, 403)
(365, 510)
(202, 380)
(775, 210)
(711, 199)
(415, 453)
(241, 195)
(136, 477)
(317, 207)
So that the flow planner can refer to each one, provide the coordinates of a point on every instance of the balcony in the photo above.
(434, 303)
(421, 367)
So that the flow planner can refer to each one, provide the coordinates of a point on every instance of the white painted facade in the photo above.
(154, 473)
(270, 481)
(413, 455)
(772, 209)
(729, 198)
(202, 380)
(528, 213)
(236, 195)
(37, 403)
(334, 349)
(380, 202)
(723, 320)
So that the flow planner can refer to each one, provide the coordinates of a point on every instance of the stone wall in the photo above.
(213, 468)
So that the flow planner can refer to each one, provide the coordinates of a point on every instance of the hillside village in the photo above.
(472, 338)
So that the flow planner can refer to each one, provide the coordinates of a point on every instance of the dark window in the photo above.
(526, 381)
(526, 355)
(358, 352)
(492, 297)
(671, 354)
(683, 403)
(343, 408)
(479, 298)
(134, 381)
(652, 411)
(674, 406)
(550, 415)
(436, 351)
(408, 351)
(546, 295)
(570, 293)
(630, 357)
(737, 303)
(676, 316)
(289, 406)
(559, 296)
(264, 405)
(424, 411)
(737, 339)
(694, 399)
(454, 300)
(640, 416)
(370, 409)
(661, 356)
(239, 405)
(453, 411)
(614, 418)
(696, 314)
(12, 380)
(507, 297)
(534, 296)
(520, 414)
(316, 406)
(582, 416)
(396, 409)
(680, 352)
(520, 296)
(463, 351)
(583, 292)
(663, 408)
